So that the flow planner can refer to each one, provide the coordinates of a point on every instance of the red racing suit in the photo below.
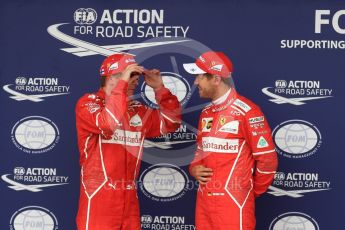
(235, 142)
(111, 133)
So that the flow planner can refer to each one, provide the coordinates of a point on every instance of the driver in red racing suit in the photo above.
(235, 160)
(111, 131)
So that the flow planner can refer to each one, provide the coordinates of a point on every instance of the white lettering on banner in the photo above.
(41, 171)
(169, 219)
(125, 138)
(296, 92)
(296, 184)
(242, 105)
(129, 16)
(322, 21)
(220, 145)
(141, 31)
(312, 44)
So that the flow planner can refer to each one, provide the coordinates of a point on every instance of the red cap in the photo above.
(116, 63)
(211, 62)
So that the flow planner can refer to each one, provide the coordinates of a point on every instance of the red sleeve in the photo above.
(198, 156)
(165, 119)
(102, 120)
(260, 140)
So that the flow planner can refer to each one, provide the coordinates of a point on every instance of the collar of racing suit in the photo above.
(101, 93)
(226, 101)
(222, 98)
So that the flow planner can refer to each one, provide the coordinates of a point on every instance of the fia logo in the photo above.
(84, 16)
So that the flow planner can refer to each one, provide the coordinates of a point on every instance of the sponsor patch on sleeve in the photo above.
(262, 143)
(254, 120)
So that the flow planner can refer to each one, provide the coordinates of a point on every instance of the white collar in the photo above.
(222, 98)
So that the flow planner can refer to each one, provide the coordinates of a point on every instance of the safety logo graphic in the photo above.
(177, 85)
(165, 222)
(297, 139)
(33, 217)
(296, 92)
(34, 179)
(163, 182)
(35, 134)
(35, 89)
(85, 16)
(294, 220)
(83, 48)
(296, 184)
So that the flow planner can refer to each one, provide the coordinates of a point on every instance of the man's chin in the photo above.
(201, 95)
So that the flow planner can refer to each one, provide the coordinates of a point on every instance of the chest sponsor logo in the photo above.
(135, 121)
(220, 145)
(226, 124)
(124, 138)
(242, 105)
(235, 113)
(206, 124)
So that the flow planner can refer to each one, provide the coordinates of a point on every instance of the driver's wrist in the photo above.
(161, 86)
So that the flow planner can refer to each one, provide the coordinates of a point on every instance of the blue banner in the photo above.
(288, 59)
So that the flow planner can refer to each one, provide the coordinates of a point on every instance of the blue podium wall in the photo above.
(288, 58)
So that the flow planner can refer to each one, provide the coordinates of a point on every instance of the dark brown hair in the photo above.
(228, 81)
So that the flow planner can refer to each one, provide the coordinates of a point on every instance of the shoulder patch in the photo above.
(244, 106)
(135, 104)
(254, 120)
(92, 96)
(206, 124)
(262, 143)
(92, 107)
